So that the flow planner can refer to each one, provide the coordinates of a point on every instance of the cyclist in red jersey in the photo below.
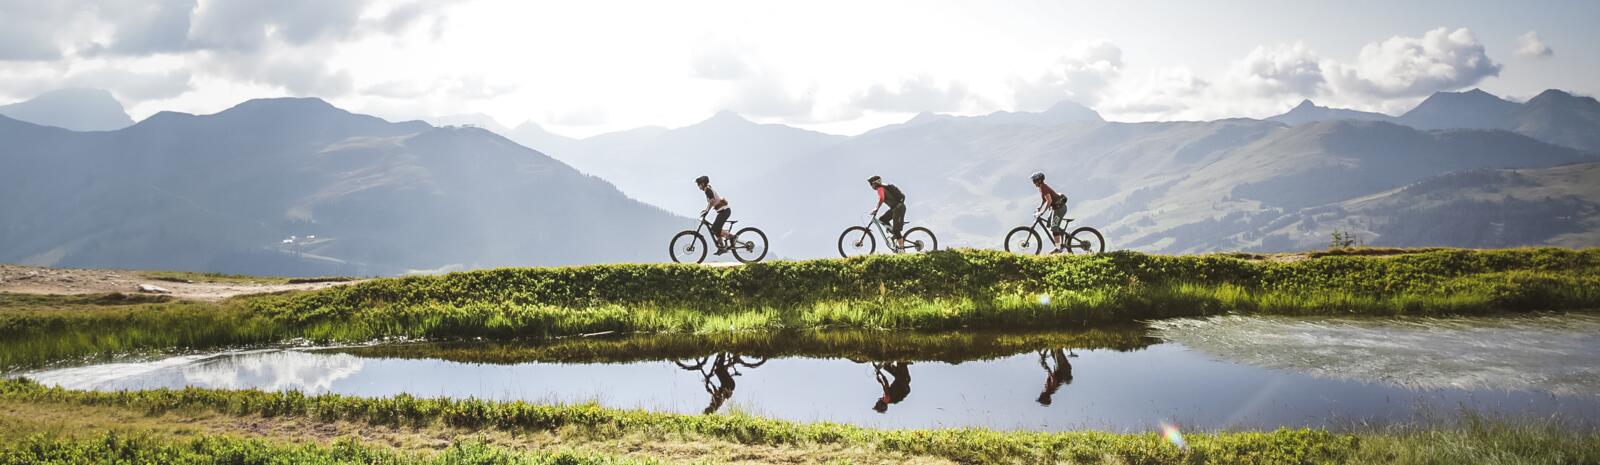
(895, 218)
(1057, 203)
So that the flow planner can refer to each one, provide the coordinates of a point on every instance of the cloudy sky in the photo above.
(582, 68)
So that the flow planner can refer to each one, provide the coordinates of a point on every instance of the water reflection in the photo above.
(1057, 372)
(718, 376)
(896, 385)
(963, 380)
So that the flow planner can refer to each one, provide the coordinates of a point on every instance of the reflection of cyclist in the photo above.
(714, 201)
(893, 391)
(895, 217)
(718, 378)
(1056, 376)
(1058, 210)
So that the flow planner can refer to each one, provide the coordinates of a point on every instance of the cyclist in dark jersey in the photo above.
(1057, 203)
(714, 201)
(895, 218)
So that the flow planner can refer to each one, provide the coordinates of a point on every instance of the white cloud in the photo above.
(1163, 94)
(1442, 59)
(914, 94)
(1529, 45)
(1288, 69)
(1080, 75)
(722, 62)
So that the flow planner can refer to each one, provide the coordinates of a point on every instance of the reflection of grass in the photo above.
(1472, 440)
(35, 330)
(951, 347)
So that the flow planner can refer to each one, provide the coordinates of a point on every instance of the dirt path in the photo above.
(21, 279)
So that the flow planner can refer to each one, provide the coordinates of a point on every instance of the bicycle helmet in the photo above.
(874, 180)
(702, 180)
(1037, 176)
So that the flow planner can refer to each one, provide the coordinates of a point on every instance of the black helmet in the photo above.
(874, 180)
(702, 180)
(1037, 176)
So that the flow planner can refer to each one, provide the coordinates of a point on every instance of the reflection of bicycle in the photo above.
(749, 245)
(1026, 239)
(858, 240)
(719, 376)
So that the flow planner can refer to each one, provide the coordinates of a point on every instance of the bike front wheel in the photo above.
(688, 247)
(1024, 240)
(856, 241)
(920, 239)
(1086, 240)
(750, 245)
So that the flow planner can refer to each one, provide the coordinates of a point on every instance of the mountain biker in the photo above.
(714, 201)
(895, 218)
(1058, 210)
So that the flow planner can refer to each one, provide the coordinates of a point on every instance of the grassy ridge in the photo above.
(1470, 440)
(943, 290)
(960, 289)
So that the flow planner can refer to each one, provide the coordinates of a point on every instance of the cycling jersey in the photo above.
(1048, 195)
(716, 202)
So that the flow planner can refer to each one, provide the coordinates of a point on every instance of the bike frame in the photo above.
(1039, 224)
(716, 239)
(873, 223)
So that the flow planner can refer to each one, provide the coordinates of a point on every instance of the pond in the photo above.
(1225, 372)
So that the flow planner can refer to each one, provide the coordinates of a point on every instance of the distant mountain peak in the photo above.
(1306, 104)
(727, 117)
(74, 108)
(1309, 112)
(284, 103)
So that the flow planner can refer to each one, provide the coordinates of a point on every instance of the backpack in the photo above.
(892, 195)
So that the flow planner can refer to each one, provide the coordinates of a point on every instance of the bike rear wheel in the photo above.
(688, 247)
(856, 241)
(1086, 240)
(920, 239)
(1024, 240)
(750, 245)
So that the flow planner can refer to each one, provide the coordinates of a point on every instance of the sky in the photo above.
(584, 68)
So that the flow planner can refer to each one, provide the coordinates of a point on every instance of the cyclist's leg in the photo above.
(1058, 214)
(716, 225)
(899, 213)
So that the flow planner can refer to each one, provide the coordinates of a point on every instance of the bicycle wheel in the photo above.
(1086, 240)
(920, 239)
(688, 247)
(1024, 240)
(856, 241)
(750, 245)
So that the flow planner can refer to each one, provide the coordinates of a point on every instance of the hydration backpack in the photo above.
(892, 195)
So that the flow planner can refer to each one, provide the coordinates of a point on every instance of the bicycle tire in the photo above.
(913, 242)
(756, 241)
(1027, 236)
(692, 242)
(1086, 245)
(851, 233)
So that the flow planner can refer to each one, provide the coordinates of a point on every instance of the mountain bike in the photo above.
(858, 240)
(1026, 239)
(749, 244)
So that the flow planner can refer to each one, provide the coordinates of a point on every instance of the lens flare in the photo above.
(1170, 431)
(1044, 300)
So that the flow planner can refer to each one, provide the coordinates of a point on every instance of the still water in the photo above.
(1008, 383)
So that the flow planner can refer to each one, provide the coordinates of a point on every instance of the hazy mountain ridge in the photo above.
(76, 109)
(219, 192)
(1553, 116)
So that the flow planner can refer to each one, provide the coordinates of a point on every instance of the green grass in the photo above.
(150, 450)
(1472, 439)
(948, 290)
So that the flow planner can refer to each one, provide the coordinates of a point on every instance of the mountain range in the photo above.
(219, 192)
(224, 192)
(77, 109)
(1552, 116)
